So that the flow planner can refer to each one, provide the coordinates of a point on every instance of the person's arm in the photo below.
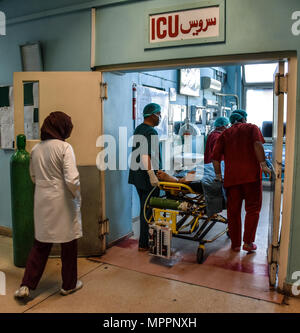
(260, 155)
(71, 174)
(217, 168)
(163, 176)
(258, 140)
(259, 151)
(217, 154)
(32, 175)
(147, 165)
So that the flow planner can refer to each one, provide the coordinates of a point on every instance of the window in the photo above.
(259, 73)
(259, 105)
(258, 85)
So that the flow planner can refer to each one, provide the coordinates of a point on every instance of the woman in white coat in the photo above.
(57, 217)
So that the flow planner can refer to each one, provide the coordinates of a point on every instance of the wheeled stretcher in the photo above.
(180, 212)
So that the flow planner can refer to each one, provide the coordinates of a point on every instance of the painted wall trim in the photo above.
(93, 35)
(67, 10)
(198, 61)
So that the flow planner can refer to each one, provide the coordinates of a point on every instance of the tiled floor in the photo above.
(112, 289)
(222, 269)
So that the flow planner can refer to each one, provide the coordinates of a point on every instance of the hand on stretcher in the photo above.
(163, 176)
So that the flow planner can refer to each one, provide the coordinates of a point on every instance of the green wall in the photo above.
(5, 195)
(251, 26)
(65, 42)
(66, 46)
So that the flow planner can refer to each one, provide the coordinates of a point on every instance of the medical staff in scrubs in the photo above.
(220, 125)
(145, 162)
(244, 158)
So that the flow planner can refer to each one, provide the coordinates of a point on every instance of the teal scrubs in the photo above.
(140, 179)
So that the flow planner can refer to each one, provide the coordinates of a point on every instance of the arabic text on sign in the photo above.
(185, 25)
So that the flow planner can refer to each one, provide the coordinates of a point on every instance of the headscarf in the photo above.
(57, 125)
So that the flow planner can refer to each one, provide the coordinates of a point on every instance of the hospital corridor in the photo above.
(123, 279)
(149, 166)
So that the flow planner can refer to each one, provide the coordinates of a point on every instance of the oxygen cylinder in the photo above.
(22, 194)
(168, 204)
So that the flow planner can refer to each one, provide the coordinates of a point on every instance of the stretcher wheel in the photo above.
(200, 253)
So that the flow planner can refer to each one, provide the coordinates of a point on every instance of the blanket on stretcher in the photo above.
(205, 183)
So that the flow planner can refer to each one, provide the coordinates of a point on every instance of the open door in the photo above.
(276, 181)
(78, 95)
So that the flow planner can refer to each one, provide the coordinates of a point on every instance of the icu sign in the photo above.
(187, 26)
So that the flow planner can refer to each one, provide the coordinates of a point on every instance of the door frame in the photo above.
(227, 60)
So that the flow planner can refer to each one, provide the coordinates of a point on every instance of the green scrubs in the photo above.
(139, 178)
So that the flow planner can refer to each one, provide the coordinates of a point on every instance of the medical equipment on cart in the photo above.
(180, 212)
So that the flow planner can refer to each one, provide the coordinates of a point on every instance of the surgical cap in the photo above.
(221, 121)
(150, 109)
(235, 117)
(241, 112)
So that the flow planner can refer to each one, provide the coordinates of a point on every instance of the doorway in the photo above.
(181, 107)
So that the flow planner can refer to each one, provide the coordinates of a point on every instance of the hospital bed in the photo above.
(187, 211)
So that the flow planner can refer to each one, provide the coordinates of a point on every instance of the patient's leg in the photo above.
(164, 177)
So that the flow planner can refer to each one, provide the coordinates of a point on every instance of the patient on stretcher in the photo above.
(188, 179)
(164, 177)
(205, 184)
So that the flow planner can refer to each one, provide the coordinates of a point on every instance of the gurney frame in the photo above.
(185, 222)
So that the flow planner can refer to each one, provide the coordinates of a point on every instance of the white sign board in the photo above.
(187, 26)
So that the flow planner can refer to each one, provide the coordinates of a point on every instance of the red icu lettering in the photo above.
(170, 26)
(160, 34)
(161, 27)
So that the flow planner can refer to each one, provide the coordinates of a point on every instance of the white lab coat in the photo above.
(57, 216)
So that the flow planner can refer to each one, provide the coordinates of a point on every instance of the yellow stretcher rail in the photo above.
(177, 187)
